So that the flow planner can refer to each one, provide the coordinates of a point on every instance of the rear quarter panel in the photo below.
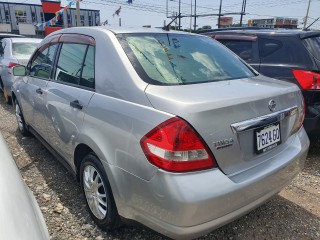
(114, 128)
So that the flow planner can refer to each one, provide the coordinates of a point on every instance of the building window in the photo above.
(97, 18)
(69, 19)
(90, 21)
(7, 13)
(21, 16)
(42, 16)
(33, 16)
(81, 20)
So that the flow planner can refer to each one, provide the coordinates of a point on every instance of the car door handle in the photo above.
(39, 90)
(76, 104)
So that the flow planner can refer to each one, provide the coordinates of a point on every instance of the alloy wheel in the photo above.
(95, 192)
(19, 117)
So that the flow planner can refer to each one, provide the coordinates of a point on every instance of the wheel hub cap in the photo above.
(19, 117)
(95, 192)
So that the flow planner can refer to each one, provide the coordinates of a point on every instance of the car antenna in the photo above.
(167, 27)
(307, 28)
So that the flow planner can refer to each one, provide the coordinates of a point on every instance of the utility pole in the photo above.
(191, 17)
(179, 14)
(243, 11)
(195, 15)
(219, 14)
(78, 13)
(306, 19)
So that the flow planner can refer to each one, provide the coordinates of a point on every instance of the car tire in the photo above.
(97, 192)
(20, 120)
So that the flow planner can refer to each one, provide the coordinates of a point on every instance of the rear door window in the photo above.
(243, 49)
(283, 50)
(268, 46)
(70, 63)
(87, 77)
(75, 65)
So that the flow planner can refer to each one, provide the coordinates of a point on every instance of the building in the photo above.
(278, 22)
(19, 17)
(225, 22)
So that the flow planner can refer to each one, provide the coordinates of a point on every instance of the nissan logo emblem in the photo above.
(272, 105)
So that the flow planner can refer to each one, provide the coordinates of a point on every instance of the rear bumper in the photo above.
(185, 206)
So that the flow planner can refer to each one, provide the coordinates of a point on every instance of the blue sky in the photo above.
(153, 12)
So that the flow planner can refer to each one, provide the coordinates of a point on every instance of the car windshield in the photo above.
(23, 49)
(173, 59)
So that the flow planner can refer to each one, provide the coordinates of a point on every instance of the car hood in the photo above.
(20, 216)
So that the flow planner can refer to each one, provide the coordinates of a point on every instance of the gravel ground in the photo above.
(293, 214)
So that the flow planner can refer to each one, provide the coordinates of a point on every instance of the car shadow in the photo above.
(312, 165)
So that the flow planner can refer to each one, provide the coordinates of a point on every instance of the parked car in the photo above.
(14, 51)
(21, 217)
(9, 35)
(289, 55)
(169, 129)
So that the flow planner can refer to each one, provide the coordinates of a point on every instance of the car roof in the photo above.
(14, 40)
(121, 30)
(275, 32)
(7, 35)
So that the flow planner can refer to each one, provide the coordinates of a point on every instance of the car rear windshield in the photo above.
(23, 49)
(171, 59)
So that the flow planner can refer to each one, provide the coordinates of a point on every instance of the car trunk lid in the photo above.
(219, 110)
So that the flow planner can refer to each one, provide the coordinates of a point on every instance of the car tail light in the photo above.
(302, 111)
(174, 146)
(300, 114)
(12, 64)
(308, 80)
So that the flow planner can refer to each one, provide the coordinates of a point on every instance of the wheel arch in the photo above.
(13, 96)
(79, 153)
(1, 83)
(83, 149)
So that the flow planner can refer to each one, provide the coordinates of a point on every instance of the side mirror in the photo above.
(19, 70)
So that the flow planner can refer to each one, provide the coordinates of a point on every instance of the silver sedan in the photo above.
(169, 129)
(14, 51)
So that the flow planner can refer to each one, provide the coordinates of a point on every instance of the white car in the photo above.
(20, 215)
(14, 51)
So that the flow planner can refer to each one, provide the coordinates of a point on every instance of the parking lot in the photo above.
(293, 214)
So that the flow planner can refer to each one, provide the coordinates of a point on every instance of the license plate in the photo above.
(267, 137)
